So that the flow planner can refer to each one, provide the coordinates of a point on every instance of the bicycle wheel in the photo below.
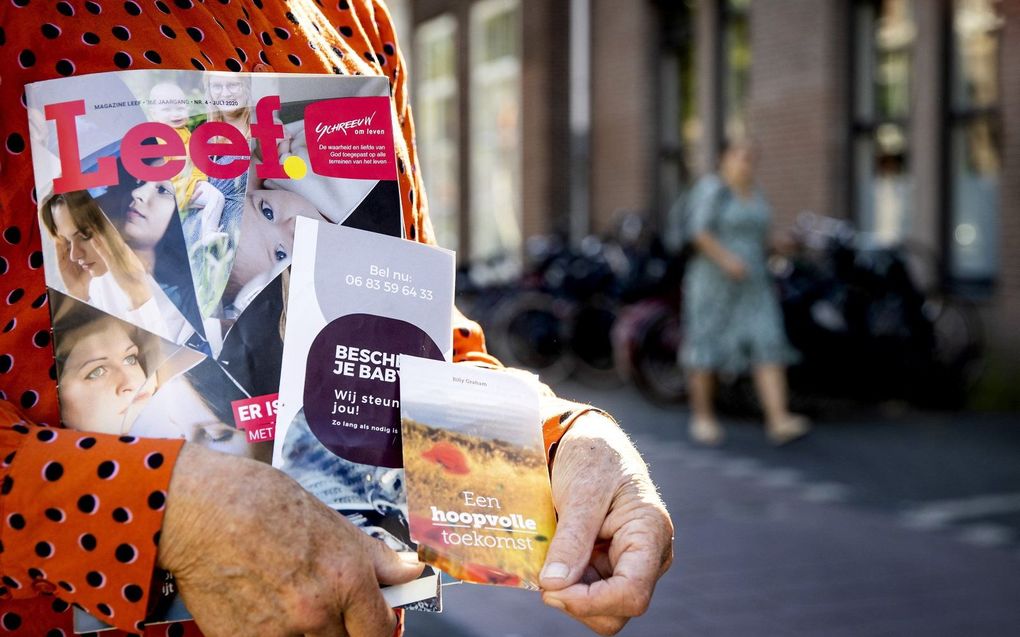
(656, 372)
(959, 340)
(592, 346)
(529, 330)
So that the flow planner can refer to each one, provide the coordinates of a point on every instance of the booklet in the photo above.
(167, 202)
(479, 495)
(359, 300)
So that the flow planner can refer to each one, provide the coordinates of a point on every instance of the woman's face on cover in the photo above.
(228, 95)
(103, 385)
(148, 215)
(198, 424)
(267, 231)
(221, 437)
(80, 249)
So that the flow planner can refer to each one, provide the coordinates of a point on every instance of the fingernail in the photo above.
(556, 570)
(408, 557)
(555, 603)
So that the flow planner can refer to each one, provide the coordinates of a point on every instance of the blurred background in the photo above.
(559, 139)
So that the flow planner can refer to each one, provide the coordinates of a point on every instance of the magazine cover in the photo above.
(479, 495)
(167, 205)
(338, 421)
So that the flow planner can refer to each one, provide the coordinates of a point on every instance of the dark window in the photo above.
(884, 35)
(680, 127)
(736, 67)
(974, 141)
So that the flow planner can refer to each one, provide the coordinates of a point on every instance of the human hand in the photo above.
(293, 139)
(614, 538)
(734, 267)
(210, 201)
(254, 553)
(75, 278)
(204, 195)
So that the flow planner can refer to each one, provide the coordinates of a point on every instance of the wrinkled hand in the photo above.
(254, 553)
(75, 278)
(614, 538)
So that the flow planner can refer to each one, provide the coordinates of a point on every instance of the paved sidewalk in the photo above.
(768, 545)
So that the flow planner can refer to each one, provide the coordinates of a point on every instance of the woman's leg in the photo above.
(700, 385)
(780, 424)
(704, 427)
(770, 381)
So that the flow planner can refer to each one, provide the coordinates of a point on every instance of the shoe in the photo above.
(705, 431)
(788, 430)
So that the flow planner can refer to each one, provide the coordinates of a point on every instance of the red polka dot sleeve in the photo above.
(73, 521)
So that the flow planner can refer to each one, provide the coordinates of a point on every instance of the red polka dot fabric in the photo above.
(92, 537)
(47, 483)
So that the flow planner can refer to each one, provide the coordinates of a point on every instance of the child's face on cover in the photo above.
(267, 231)
(102, 385)
(81, 250)
(148, 214)
(169, 105)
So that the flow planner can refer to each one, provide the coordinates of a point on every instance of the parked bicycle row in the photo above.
(607, 310)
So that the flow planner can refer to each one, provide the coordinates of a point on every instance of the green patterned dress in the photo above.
(730, 326)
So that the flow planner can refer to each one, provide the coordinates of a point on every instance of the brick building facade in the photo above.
(853, 104)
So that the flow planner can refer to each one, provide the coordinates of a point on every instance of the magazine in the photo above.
(167, 203)
(338, 418)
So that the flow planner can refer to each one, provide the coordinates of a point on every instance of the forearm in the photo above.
(206, 495)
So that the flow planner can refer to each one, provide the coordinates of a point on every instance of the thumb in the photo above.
(580, 517)
(391, 567)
